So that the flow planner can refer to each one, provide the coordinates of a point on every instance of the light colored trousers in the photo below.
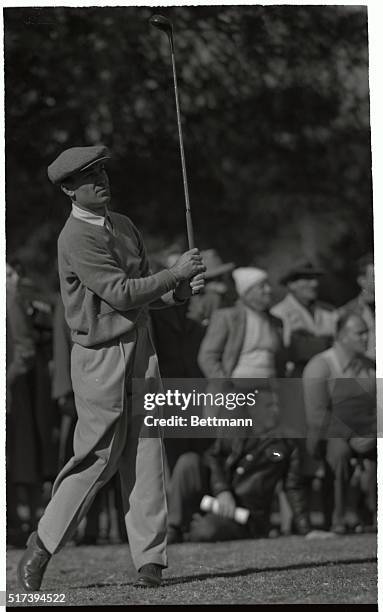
(106, 441)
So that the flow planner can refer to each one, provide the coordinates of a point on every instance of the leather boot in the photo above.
(150, 575)
(32, 566)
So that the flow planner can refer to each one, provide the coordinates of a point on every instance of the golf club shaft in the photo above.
(189, 223)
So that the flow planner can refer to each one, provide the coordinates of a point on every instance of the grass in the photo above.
(283, 570)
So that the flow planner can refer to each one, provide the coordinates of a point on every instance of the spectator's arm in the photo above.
(212, 347)
(215, 458)
(282, 353)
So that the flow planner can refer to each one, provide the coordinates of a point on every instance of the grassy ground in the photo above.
(283, 570)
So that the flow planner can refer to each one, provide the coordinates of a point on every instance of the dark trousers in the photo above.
(189, 483)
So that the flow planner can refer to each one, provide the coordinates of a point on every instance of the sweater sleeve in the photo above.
(165, 300)
(100, 272)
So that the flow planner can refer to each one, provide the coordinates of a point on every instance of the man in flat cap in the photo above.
(107, 288)
(308, 325)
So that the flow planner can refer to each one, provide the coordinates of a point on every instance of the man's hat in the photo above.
(245, 278)
(304, 269)
(214, 264)
(76, 159)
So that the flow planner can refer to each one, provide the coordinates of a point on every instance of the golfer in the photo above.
(107, 288)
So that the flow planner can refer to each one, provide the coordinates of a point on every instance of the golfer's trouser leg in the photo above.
(76, 491)
(188, 484)
(144, 500)
(338, 458)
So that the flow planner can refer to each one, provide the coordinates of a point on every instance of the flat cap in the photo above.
(75, 160)
(303, 269)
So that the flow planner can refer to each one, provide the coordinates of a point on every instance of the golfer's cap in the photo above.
(76, 159)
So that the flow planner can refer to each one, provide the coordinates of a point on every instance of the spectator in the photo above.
(308, 325)
(219, 291)
(178, 332)
(23, 474)
(39, 305)
(240, 472)
(244, 341)
(364, 303)
(340, 400)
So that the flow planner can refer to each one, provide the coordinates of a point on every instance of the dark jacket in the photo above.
(62, 346)
(250, 468)
(22, 445)
(222, 344)
(177, 339)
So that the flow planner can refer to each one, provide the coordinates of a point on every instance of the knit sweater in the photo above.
(105, 282)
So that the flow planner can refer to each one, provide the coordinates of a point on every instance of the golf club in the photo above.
(162, 23)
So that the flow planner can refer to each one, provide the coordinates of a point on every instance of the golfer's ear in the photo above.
(67, 191)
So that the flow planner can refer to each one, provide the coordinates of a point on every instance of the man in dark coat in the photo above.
(23, 465)
(239, 472)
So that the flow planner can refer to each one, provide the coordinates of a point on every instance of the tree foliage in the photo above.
(276, 125)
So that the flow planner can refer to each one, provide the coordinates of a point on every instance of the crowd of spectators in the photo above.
(309, 469)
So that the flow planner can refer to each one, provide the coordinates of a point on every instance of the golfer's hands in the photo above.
(188, 265)
(188, 288)
(226, 504)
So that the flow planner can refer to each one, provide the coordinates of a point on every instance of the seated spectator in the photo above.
(340, 401)
(239, 472)
(364, 303)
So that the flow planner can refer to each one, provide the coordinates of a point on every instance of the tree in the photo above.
(276, 123)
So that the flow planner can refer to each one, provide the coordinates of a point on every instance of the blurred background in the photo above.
(275, 104)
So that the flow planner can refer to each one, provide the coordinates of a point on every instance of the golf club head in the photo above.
(162, 23)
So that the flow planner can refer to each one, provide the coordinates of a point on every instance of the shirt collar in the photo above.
(87, 216)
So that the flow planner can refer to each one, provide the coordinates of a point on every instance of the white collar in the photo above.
(87, 216)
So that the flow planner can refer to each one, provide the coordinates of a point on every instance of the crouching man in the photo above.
(239, 472)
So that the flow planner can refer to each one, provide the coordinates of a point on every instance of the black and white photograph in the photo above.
(191, 373)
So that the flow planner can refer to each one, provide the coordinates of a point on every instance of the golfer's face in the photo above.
(91, 188)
